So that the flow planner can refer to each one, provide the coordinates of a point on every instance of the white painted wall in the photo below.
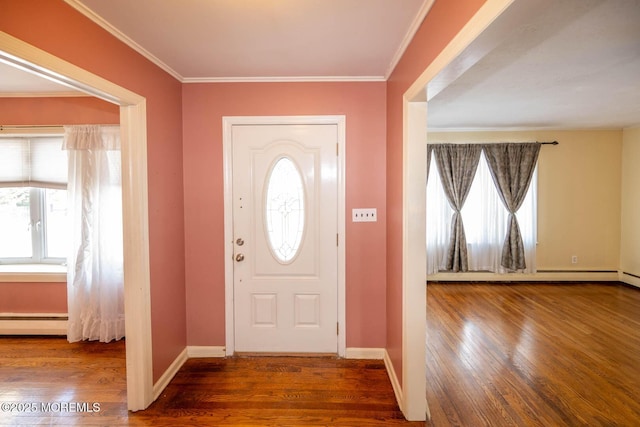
(630, 212)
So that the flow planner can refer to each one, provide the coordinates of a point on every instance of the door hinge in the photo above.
(337, 149)
(337, 239)
(337, 328)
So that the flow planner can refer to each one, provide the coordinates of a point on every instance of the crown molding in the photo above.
(87, 12)
(284, 79)
(411, 32)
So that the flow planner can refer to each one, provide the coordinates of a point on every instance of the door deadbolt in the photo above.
(239, 242)
(240, 257)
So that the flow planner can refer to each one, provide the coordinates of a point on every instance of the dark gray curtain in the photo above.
(511, 167)
(429, 151)
(457, 164)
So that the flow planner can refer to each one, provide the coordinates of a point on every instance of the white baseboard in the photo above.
(205, 351)
(364, 353)
(33, 324)
(168, 375)
(186, 354)
(397, 389)
(630, 279)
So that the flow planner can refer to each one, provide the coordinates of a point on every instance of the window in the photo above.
(485, 222)
(33, 200)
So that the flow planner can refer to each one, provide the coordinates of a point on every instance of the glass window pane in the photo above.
(285, 210)
(15, 223)
(56, 223)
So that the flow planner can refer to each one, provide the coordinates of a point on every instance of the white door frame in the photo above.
(133, 125)
(227, 124)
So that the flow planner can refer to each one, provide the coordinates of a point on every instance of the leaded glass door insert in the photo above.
(284, 210)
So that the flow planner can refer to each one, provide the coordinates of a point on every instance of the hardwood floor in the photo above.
(497, 355)
(294, 391)
(533, 355)
(271, 391)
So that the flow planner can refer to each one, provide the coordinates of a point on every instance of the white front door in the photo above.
(285, 228)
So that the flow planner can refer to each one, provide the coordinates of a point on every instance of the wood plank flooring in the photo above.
(497, 355)
(255, 391)
(533, 355)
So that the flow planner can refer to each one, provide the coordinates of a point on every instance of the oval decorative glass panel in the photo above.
(284, 210)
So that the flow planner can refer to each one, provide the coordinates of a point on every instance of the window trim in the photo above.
(33, 273)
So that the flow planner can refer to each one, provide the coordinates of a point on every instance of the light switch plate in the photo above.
(364, 215)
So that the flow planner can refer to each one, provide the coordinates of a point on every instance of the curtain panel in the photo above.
(457, 167)
(429, 152)
(95, 277)
(512, 166)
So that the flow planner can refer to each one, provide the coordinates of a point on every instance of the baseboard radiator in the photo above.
(539, 276)
(632, 279)
(33, 323)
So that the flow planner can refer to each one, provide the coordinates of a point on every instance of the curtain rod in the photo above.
(549, 143)
(8, 127)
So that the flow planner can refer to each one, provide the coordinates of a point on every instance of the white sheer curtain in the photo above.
(95, 280)
(485, 222)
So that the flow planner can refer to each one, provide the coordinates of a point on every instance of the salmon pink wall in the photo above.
(27, 297)
(57, 111)
(443, 22)
(54, 26)
(204, 105)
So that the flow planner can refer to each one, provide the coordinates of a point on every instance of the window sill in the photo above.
(33, 273)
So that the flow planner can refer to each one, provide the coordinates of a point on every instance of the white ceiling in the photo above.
(211, 40)
(15, 82)
(545, 64)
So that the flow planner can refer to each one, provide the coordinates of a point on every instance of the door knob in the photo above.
(240, 257)
(239, 242)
